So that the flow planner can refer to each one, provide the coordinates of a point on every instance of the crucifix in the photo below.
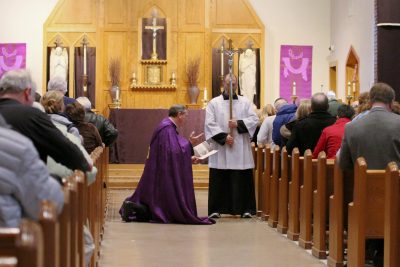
(154, 28)
(230, 52)
(85, 76)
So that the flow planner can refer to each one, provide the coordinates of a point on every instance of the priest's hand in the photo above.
(232, 124)
(195, 160)
(194, 140)
(229, 139)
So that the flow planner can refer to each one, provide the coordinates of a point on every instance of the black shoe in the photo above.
(246, 215)
(215, 215)
(135, 212)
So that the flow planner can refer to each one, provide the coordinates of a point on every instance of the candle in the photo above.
(222, 60)
(173, 75)
(294, 88)
(354, 87)
(84, 60)
(349, 88)
(322, 87)
(205, 93)
(117, 94)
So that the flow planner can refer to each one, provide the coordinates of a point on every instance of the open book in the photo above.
(203, 150)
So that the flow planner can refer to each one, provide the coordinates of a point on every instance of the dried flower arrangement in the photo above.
(114, 69)
(193, 71)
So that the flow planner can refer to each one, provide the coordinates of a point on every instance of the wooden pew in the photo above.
(283, 193)
(266, 182)
(273, 189)
(24, 243)
(73, 194)
(366, 212)
(294, 195)
(81, 215)
(325, 171)
(392, 216)
(94, 206)
(65, 229)
(51, 235)
(335, 258)
(259, 178)
(306, 193)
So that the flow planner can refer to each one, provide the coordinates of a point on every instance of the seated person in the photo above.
(106, 130)
(331, 137)
(24, 179)
(89, 132)
(54, 105)
(60, 85)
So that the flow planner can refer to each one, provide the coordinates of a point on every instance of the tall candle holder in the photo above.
(221, 83)
(349, 98)
(205, 102)
(294, 98)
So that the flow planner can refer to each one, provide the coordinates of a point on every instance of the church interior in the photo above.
(134, 59)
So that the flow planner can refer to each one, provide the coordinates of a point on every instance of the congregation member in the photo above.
(54, 108)
(89, 132)
(53, 105)
(285, 113)
(106, 130)
(264, 135)
(231, 184)
(24, 179)
(374, 137)
(306, 132)
(165, 193)
(17, 92)
(331, 137)
(333, 103)
(302, 111)
(59, 84)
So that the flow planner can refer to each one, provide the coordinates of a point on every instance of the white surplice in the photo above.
(238, 156)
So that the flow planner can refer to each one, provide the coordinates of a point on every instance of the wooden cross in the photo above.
(154, 28)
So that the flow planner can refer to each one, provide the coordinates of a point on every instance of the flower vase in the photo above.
(193, 92)
(115, 92)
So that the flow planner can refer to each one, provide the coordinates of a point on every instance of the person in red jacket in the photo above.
(331, 137)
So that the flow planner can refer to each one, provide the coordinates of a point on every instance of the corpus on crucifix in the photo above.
(154, 27)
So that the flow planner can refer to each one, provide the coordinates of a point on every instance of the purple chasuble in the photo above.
(166, 186)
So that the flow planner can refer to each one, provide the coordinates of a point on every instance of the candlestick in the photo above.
(205, 93)
(222, 60)
(349, 88)
(354, 87)
(294, 88)
(84, 60)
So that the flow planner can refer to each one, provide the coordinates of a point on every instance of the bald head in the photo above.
(319, 102)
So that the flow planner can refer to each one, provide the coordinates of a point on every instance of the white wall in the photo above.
(21, 21)
(294, 22)
(352, 23)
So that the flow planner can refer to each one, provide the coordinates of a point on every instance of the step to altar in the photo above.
(128, 175)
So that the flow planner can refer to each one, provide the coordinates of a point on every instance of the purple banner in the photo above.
(295, 71)
(12, 56)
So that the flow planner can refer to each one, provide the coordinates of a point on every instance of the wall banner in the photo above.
(295, 67)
